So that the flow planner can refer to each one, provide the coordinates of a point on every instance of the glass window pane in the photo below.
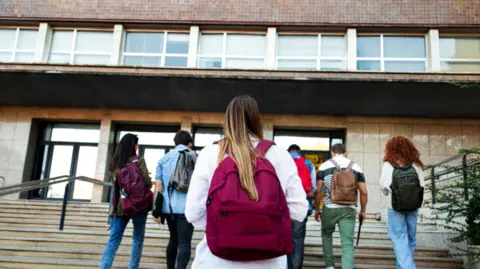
(177, 43)
(210, 62)
(62, 40)
(86, 164)
(246, 45)
(460, 48)
(404, 47)
(369, 65)
(171, 61)
(152, 156)
(142, 61)
(203, 140)
(5, 56)
(57, 58)
(284, 64)
(60, 166)
(407, 66)
(305, 143)
(7, 38)
(91, 59)
(333, 46)
(368, 46)
(24, 57)
(465, 67)
(65, 134)
(93, 41)
(333, 65)
(27, 40)
(211, 44)
(144, 42)
(290, 45)
(245, 63)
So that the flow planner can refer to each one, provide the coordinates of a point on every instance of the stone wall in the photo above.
(436, 139)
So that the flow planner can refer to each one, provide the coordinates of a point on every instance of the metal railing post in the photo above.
(433, 185)
(64, 206)
(464, 167)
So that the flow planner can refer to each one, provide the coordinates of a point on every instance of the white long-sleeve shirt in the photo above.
(196, 209)
(386, 179)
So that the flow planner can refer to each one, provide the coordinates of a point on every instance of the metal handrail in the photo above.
(3, 181)
(37, 184)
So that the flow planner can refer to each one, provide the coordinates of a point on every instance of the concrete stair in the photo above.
(29, 238)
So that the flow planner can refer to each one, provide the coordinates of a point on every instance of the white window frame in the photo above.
(72, 52)
(162, 55)
(224, 56)
(382, 57)
(457, 60)
(319, 56)
(14, 50)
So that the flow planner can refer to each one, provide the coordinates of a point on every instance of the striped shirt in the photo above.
(325, 173)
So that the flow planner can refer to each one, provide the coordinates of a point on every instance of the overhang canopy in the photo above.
(321, 93)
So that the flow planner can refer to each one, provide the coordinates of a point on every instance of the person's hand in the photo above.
(157, 220)
(362, 216)
(318, 216)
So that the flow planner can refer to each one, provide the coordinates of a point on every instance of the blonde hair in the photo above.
(242, 119)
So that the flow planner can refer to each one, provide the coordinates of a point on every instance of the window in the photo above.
(315, 52)
(156, 49)
(81, 47)
(391, 53)
(17, 45)
(243, 51)
(460, 54)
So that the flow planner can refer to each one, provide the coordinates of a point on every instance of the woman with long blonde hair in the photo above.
(243, 136)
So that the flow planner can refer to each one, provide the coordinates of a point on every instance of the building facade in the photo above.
(76, 76)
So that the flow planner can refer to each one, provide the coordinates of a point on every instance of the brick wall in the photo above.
(303, 12)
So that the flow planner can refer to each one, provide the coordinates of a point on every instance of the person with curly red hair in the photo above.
(402, 181)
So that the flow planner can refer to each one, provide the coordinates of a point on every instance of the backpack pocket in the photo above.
(251, 225)
(407, 198)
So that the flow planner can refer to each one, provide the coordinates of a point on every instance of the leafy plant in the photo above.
(457, 205)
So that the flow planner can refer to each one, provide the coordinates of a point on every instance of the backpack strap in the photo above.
(335, 164)
(263, 146)
(350, 165)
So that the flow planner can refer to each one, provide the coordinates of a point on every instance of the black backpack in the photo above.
(407, 193)
(180, 179)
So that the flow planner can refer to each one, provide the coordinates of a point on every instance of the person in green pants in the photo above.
(343, 215)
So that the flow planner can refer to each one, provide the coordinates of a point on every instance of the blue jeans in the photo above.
(295, 259)
(402, 229)
(117, 228)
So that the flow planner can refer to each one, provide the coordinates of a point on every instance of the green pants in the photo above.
(345, 217)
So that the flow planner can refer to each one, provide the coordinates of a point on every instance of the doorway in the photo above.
(66, 149)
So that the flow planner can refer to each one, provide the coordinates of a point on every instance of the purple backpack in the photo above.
(135, 197)
(240, 229)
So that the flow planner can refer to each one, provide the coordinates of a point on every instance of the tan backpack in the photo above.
(344, 186)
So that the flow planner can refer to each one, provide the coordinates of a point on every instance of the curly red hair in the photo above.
(401, 151)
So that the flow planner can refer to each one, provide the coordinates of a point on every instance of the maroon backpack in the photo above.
(240, 229)
(135, 197)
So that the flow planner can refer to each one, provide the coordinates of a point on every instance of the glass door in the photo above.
(85, 166)
(152, 155)
(60, 164)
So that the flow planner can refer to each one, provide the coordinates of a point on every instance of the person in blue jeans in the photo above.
(402, 225)
(295, 259)
(181, 231)
(124, 156)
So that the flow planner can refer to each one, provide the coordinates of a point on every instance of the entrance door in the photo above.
(67, 149)
(73, 160)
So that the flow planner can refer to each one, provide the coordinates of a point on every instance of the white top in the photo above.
(196, 209)
(326, 171)
(386, 180)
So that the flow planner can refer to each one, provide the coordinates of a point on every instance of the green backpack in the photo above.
(407, 193)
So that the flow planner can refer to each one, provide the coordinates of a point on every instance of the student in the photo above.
(125, 155)
(243, 132)
(402, 173)
(307, 174)
(181, 231)
(338, 211)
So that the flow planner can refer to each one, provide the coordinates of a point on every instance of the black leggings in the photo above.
(180, 243)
